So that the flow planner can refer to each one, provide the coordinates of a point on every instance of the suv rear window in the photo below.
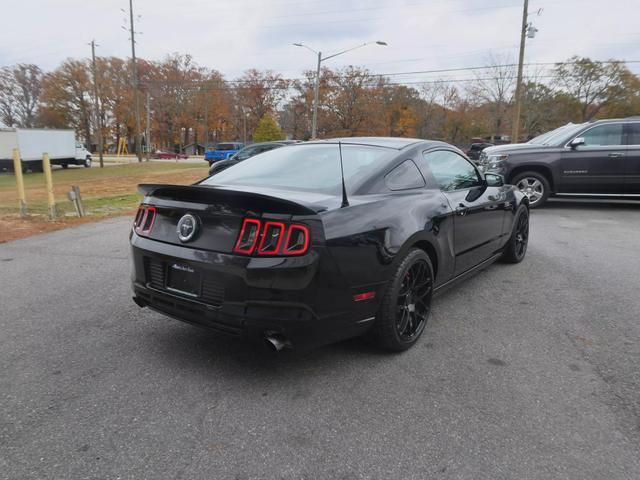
(634, 133)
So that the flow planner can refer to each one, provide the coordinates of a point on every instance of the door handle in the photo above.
(461, 210)
(616, 155)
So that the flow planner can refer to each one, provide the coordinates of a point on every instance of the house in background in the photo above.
(193, 149)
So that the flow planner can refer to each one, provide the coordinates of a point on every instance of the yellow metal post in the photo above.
(17, 168)
(46, 166)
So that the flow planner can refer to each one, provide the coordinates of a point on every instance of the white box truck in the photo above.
(61, 145)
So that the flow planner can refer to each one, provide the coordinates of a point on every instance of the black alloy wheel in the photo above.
(517, 246)
(414, 301)
(406, 306)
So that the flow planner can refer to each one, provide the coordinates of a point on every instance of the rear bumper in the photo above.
(303, 299)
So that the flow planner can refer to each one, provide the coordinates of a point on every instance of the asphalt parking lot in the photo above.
(529, 371)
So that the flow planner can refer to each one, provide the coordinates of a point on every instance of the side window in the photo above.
(263, 148)
(246, 153)
(404, 177)
(633, 132)
(450, 170)
(603, 135)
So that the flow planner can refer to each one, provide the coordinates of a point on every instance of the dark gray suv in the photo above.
(600, 158)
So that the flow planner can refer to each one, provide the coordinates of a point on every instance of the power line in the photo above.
(384, 75)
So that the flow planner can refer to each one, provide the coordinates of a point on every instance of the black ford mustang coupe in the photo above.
(324, 240)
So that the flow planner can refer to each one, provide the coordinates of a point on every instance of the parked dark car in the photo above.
(598, 159)
(247, 152)
(222, 151)
(476, 149)
(279, 248)
(167, 155)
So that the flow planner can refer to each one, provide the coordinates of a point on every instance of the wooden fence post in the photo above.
(51, 201)
(17, 168)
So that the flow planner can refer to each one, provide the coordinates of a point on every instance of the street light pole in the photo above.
(316, 95)
(316, 89)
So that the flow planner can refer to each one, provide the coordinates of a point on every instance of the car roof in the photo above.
(396, 143)
(613, 120)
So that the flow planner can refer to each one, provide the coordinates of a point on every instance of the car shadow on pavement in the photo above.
(185, 344)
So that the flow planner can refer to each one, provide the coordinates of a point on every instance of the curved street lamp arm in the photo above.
(345, 51)
(305, 46)
(353, 48)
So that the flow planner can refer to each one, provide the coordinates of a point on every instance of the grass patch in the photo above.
(106, 192)
(77, 176)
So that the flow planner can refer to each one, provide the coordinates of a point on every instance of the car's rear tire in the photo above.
(516, 247)
(406, 305)
(534, 185)
(64, 165)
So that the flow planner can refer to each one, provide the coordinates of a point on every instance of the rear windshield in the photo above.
(311, 167)
(226, 146)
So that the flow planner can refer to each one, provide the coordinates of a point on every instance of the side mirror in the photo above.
(494, 180)
(576, 142)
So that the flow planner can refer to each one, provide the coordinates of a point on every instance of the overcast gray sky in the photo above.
(234, 35)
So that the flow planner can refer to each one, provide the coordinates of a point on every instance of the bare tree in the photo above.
(494, 86)
(20, 88)
(7, 97)
(28, 79)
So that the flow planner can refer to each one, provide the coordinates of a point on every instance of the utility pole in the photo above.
(148, 129)
(98, 116)
(135, 82)
(518, 100)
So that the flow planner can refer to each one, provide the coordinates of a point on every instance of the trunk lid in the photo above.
(220, 212)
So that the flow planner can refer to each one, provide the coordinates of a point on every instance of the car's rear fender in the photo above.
(375, 235)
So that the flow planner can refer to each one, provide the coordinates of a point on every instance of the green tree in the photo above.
(268, 130)
(594, 84)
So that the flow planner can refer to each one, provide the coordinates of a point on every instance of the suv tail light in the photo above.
(269, 238)
(144, 220)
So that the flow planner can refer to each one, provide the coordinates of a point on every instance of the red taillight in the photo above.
(269, 238)
(272, 234)
(145, 218)
(248, 236)
(297, 240)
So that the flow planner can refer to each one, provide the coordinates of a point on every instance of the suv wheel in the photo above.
(534, 185)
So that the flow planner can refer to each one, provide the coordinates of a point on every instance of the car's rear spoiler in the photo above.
(206, 194)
